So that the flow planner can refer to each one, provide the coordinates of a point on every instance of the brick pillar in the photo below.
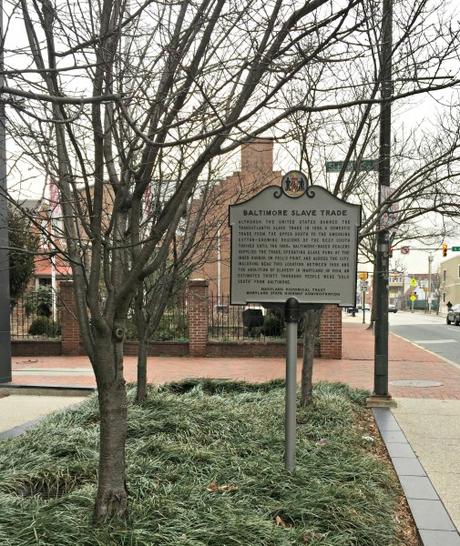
(330, 332)
(197, 310)
(70, 330)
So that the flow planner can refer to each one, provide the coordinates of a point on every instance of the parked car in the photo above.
(453, 315)
(392, 308)
(350, 310)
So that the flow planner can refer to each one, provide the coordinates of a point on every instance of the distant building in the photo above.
(256, 173)
(38, 211)
(449, 273)
(397, 285)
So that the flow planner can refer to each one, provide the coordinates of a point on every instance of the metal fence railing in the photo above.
(173, 324)
(242, 323)
(31, 316)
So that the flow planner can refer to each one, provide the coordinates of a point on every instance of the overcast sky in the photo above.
(419, 110)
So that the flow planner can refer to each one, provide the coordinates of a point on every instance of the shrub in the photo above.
(273, 325)
(43, 326)
(39, 302)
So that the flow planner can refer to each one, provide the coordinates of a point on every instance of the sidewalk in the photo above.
(406, 361)
(18, 413)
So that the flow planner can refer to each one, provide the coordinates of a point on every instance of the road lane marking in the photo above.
(434, 341)
(437, 355)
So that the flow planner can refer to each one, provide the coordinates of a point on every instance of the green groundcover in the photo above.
(205, 467)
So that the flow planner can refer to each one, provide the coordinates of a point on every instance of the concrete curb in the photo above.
(47, 390)
(432, 520)
(20, 429)
(24, 427)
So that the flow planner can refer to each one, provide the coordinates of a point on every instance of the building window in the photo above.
(444, 298)
(444, 275)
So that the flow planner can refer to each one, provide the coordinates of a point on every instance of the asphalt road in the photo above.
(429, 331)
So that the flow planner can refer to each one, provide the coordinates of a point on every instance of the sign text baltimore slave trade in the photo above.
(303, 247)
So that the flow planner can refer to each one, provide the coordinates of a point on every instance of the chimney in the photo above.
(257, 156)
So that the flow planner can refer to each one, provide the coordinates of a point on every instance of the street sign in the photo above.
(365, 165)
(363, 285)
(413, 282)
(363, 275)
(301, 247)
(413, 297)
(456, 248)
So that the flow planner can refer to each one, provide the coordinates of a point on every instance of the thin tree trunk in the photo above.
(311, 322)
(141, 391)
(112, 495)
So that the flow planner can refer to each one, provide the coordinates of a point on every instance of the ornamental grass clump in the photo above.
(205, 469)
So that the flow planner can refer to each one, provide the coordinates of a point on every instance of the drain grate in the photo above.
(417, 383)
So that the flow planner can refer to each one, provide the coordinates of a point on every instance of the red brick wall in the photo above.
(197, 302)
(70, 330)
(330, 332)
(158, 348)
(36, 348)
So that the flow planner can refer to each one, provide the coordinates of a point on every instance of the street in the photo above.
(429, 331)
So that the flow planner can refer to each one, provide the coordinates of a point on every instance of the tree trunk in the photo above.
(141, 391)
(112, 495)
(374, 299)
(311, 323)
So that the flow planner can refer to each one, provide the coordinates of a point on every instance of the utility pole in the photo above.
(5, 334)
(381, 395)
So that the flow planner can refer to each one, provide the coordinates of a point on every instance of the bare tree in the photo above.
(189, 248)
(311, 320)
(116, 101)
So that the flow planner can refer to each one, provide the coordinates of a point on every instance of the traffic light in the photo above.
(444, 250)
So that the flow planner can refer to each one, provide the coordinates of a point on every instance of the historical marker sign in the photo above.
(302, 247)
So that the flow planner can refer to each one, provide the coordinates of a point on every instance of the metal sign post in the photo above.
(291, 317)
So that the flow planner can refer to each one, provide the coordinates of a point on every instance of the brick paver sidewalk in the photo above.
(356, 367)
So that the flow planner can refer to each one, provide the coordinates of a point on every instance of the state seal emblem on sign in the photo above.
(294, 183)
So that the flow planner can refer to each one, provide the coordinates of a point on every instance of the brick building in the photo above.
(449, 272)
(256, 173)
